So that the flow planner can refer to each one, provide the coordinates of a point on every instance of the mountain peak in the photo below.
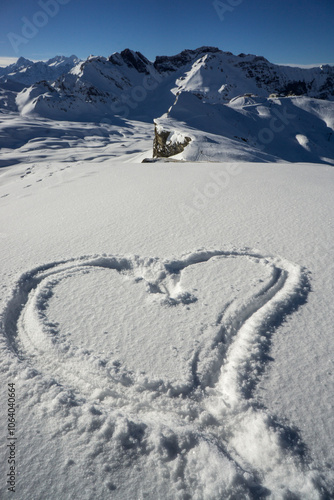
(128, 84)
(22, 61)
(28, 72)
(62, 60)
(133, 59)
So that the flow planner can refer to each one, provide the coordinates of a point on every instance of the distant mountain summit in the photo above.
(28, 72)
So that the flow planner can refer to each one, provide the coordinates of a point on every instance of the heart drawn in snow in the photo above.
(168, 325)
(111, 327)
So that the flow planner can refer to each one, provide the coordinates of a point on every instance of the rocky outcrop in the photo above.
(167, 143)
(165, 64)
(132, 59)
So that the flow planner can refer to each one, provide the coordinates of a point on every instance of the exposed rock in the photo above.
(136, 60)
(132, 59)
(172, 63)
(295, 88)
(164, 148)
(161, 160)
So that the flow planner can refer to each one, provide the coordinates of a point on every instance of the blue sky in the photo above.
(284, 31)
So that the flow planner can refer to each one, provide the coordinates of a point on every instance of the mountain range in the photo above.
(27, 72)
(129, 85)
(195, 93)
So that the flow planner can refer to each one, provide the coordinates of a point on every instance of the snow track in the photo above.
(206, 410)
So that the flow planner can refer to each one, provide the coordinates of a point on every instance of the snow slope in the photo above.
(246, 129)
(168, 326)
(252, 129)
(30, 140)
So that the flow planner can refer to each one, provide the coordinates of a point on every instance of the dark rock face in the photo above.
(132, 59)
(163, 149)
(295, 88)
(172, 63)
(46, 85)
(327, 88)
(135, 60)
(270, 76)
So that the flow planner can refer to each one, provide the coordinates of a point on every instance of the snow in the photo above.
(168, 326)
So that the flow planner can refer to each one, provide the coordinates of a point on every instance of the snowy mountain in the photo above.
(220, 76)
(28, 72)
(24, 73)
(129, 85)
(101, 87)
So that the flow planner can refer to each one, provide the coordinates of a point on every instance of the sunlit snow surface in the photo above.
(168, 326)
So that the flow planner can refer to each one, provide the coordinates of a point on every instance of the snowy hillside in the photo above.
(248, 129)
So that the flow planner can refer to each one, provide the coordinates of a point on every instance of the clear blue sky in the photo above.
(284, 31)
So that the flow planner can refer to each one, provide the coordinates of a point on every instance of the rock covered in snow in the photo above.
(167, 143)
